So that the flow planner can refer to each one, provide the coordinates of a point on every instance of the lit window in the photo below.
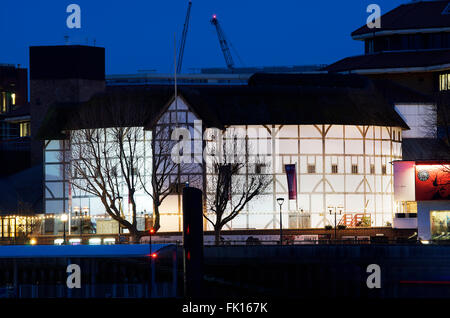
(311, 168)
(444, 82)
(3, 102)
(355, 169)
(25, 130)
(13, 98)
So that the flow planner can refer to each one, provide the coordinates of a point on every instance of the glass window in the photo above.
(24, 129)
(355, 169)
(440, 225)
(444, 82)
(53, 156)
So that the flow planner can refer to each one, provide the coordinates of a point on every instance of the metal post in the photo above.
(153, 277)
(281, 228)
(64, 224)
(335, 225)
(280, 203)
(174, 272)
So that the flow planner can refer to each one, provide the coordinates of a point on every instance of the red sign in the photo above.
(292, 181)
(432, 182)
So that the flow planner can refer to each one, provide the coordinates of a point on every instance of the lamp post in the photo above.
(64, 219)
(334, 209)
(280, 203)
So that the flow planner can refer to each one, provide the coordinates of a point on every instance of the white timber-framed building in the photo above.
(341, 131)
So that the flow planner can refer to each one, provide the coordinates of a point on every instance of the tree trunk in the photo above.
(135, 236)
(217, 230)
(156, 217)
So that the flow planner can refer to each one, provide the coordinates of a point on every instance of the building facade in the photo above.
(343, 160)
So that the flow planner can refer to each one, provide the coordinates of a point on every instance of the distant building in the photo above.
(206, 76)
(14, 120)
(412, 47)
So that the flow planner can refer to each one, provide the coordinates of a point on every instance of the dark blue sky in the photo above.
(139, 35)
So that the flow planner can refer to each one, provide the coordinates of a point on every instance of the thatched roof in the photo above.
(314, 99)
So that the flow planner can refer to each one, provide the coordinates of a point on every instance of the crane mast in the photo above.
(183, 37)
(223, 43)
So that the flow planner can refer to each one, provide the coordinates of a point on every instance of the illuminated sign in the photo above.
(432, 182)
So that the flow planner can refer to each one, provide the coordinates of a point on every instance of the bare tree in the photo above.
(108, 162)
(112, 163)
(443, 114)
(234, 182)
(166, 173)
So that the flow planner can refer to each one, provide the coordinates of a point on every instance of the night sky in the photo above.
(139, 35)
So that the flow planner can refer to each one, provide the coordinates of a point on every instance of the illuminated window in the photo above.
(355, 169)
(3, 102)
(444, 82)
(25, 130)
(311, 168)
(411, 207)
(13, 98)
(440, 225)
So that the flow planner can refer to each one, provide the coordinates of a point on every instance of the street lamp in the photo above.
(64, 219)
(331, 208)
(280, 203)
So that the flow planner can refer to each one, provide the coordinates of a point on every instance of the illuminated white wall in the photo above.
(369, 190)
(57, 162)
(421, 119)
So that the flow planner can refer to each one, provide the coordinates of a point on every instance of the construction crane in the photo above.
(183, 37)
(223, 42)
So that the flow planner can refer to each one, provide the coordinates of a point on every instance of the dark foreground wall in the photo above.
(315, 271)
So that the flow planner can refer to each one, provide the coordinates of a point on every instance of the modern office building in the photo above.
(412, 48)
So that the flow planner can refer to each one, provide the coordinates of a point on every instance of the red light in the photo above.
(152, 231)
(214, 16)
(153, 255)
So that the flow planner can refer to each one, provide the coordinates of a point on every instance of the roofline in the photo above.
(427, 161)
(401, 31)
(17, 118)
(399, 69)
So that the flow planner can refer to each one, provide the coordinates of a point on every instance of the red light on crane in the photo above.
(153, 255)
